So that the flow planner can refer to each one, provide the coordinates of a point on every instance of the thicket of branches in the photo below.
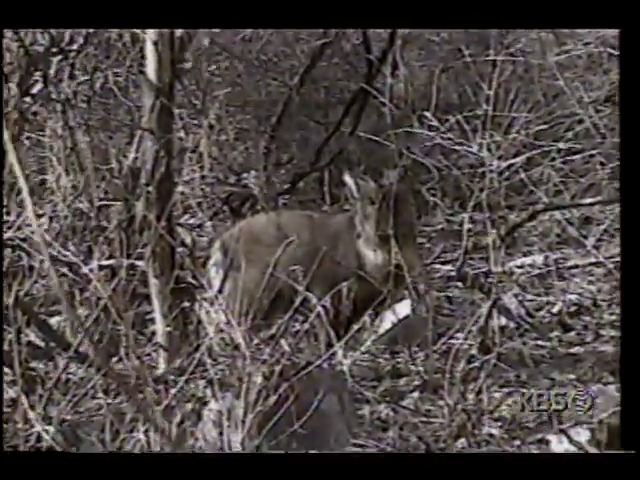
(511, 139)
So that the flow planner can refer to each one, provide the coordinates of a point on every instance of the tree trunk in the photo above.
(159, 155)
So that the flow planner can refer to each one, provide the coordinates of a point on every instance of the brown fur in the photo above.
(325, 246)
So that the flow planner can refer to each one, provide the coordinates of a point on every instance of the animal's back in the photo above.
(296, 234)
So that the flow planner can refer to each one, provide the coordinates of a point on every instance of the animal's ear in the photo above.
(353, 187)
(359, 186)
(348, 180)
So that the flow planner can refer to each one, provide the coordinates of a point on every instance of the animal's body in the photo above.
(260, 264)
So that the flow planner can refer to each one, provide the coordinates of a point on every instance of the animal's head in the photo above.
(365, 196)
